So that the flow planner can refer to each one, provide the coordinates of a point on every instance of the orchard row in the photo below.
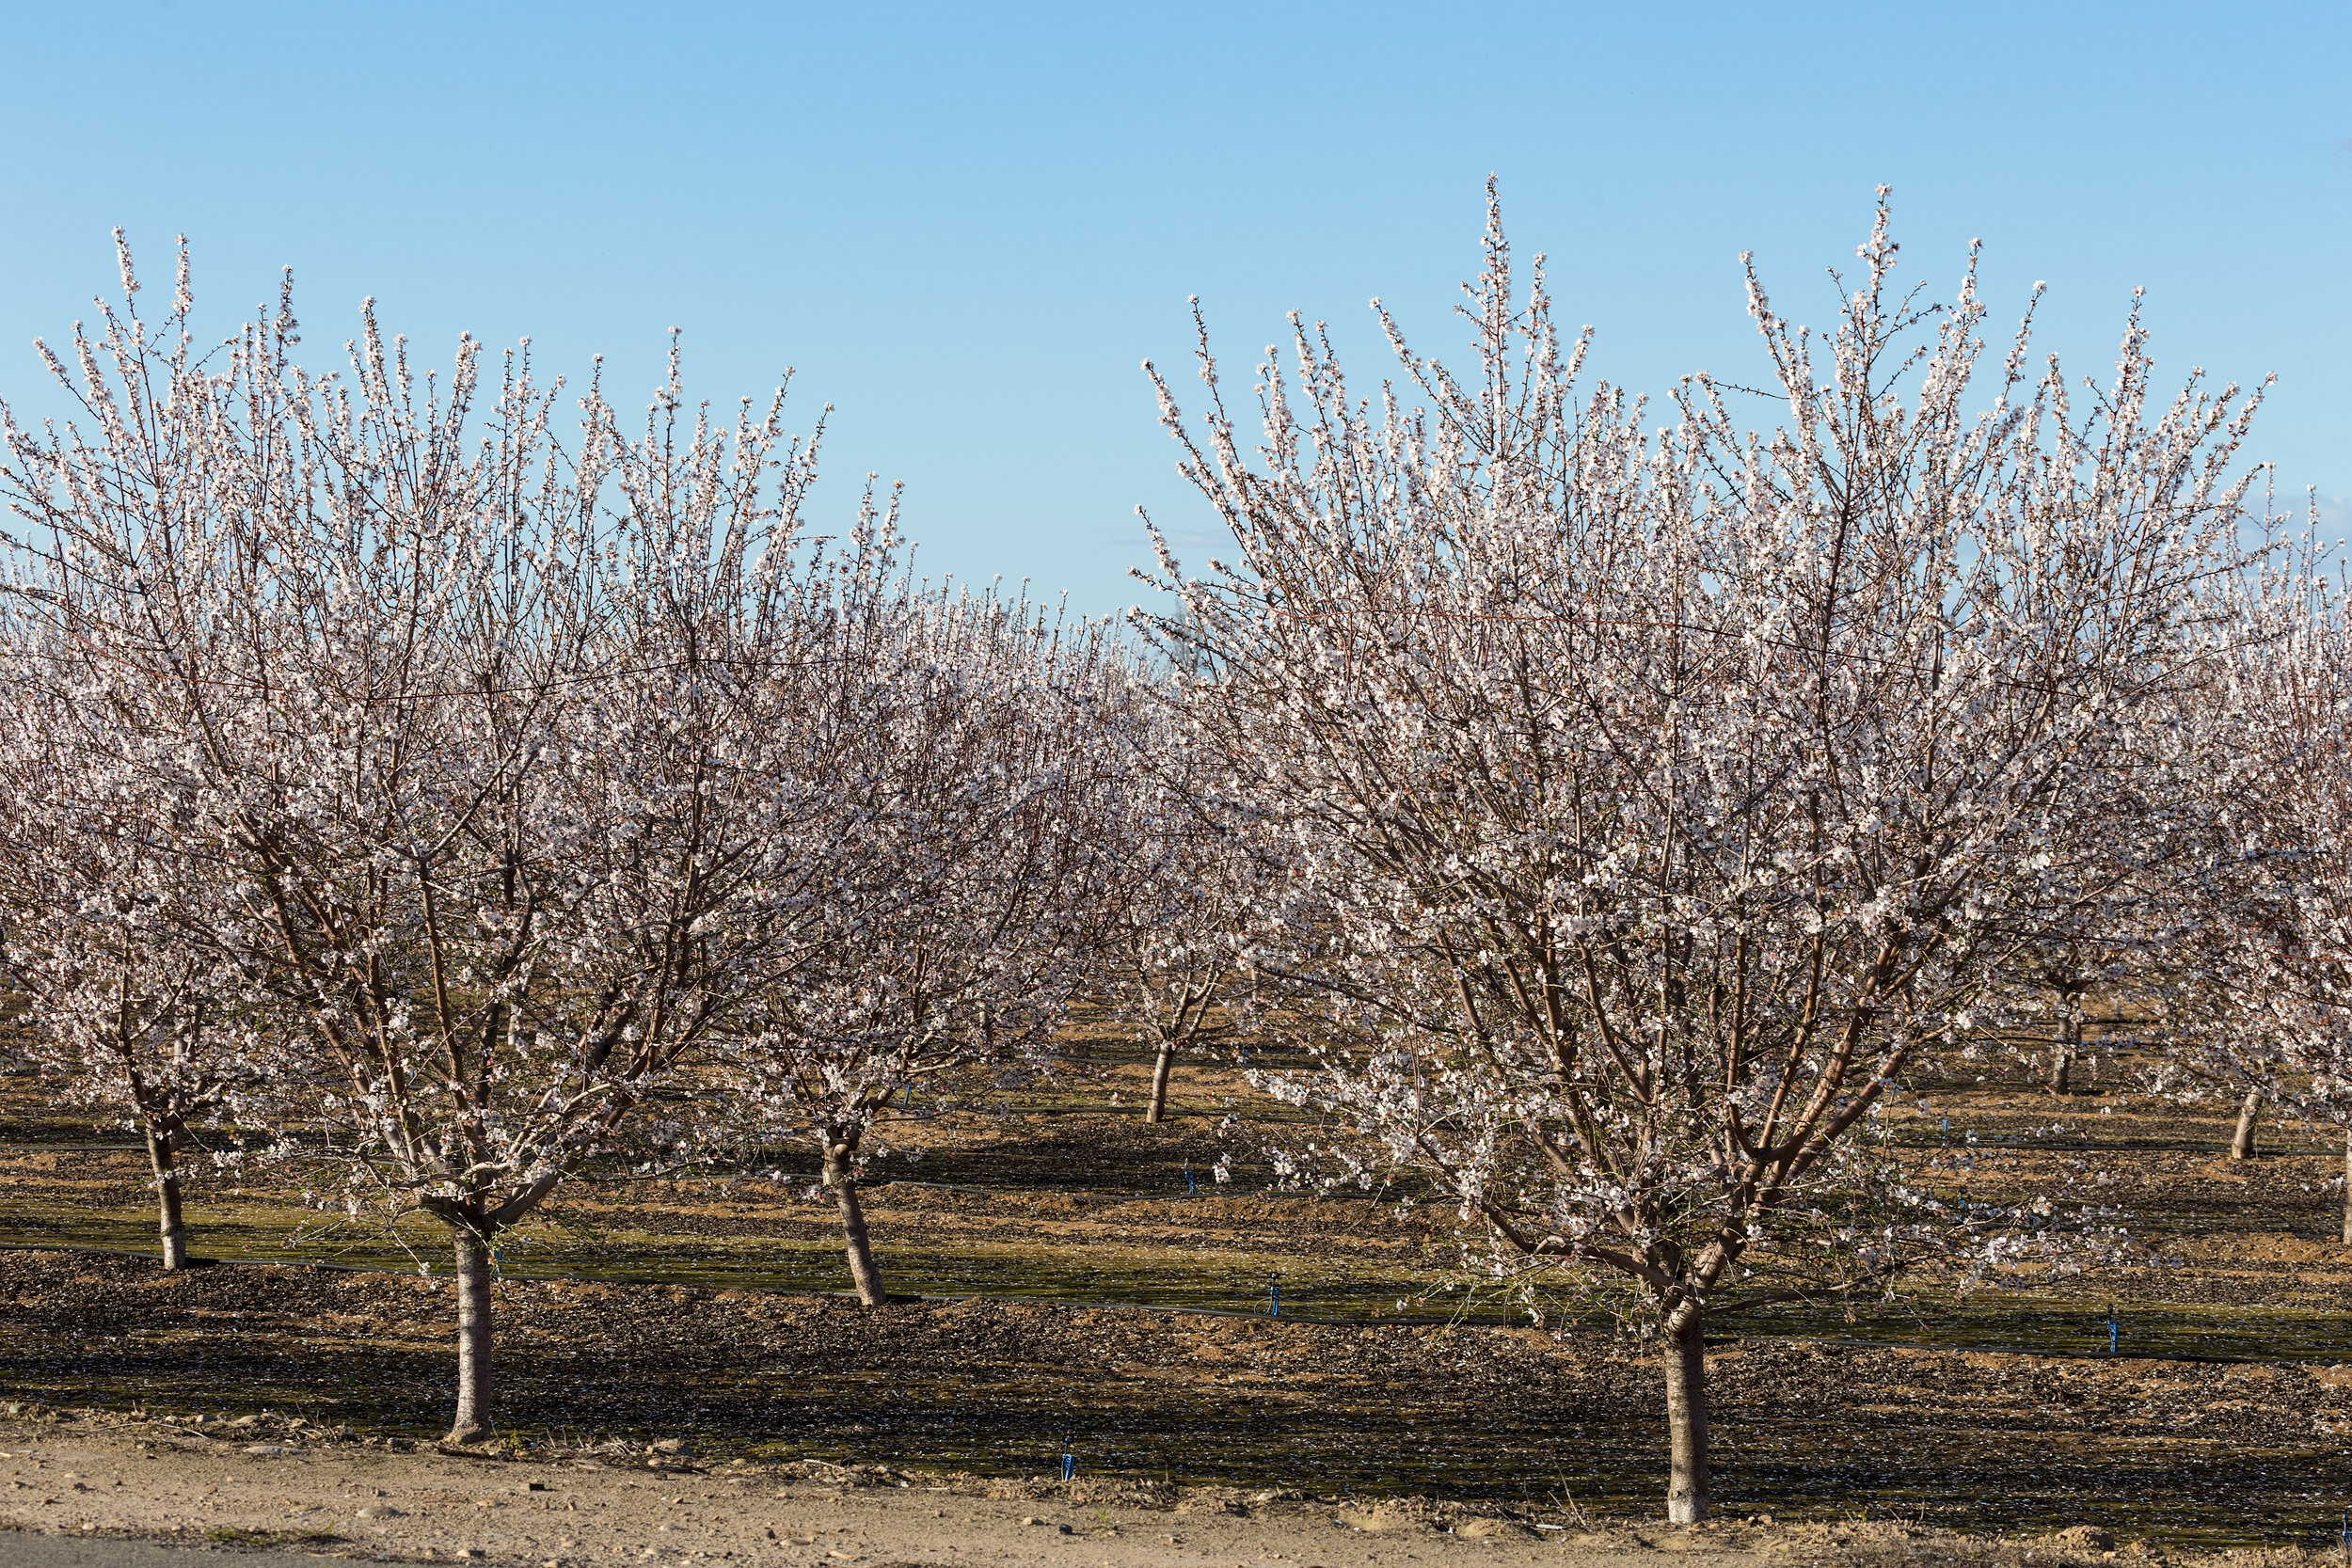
(468, 779)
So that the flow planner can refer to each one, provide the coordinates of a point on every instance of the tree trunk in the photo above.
(2348, 1186)
(1688, 1492)
(2069, 1043)
(473, 1424)
(160, 1155)
(2242, 1146)
(841, 1176)
(1157, 1110)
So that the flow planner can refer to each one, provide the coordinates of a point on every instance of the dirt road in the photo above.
(100, 1497)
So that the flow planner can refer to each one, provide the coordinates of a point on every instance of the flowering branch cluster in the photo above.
(1648, 804)
(2256, 974)
(492, 799)
(1621, 810)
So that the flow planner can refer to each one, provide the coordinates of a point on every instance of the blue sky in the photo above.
(966, 225)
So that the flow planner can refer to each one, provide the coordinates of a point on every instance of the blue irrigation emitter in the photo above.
(1069, 1466)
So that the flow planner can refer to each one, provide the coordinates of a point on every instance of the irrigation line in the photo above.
(1153, 1196)
(71, 1148)
(590, 1279)
(950, 1298)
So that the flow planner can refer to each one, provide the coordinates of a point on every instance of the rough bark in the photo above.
(2241, 1143)
(2348, 1186)
(473, 1223)
(1689, 1489)
(841, 1176)
(474, 1388)
(163, 1156)
(2070, 1044)
(1157, 1110)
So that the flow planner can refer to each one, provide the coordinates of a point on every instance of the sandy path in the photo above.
(90, 1486)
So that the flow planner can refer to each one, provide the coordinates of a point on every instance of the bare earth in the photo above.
(84, 1487)
(2217, 1420)
(435, 1507)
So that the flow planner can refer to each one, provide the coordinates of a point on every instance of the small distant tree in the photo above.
(130, 1018)
(1650, 802)
(2262, 1008)
(1171, 963)
(956, 884)
(2109, 909)
(134, 1006)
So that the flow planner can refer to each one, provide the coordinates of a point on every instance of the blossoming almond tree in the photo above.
(129, 1016)
(684, 773)
(363, 647)
(1180, 887)
(132, 1003)
(316, 645)
(1649, 802)
(2110, 908)
(2259, 1004)
(960, 881)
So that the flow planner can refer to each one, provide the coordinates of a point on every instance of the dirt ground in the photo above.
(255, 1490)
(1552, 1431)
(688, 1311)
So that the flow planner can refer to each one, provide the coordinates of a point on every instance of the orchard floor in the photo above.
(1551, 1431)
(1072, 1274)
(131, 1494)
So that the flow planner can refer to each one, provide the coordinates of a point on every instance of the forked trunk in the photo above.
(2242, 1145)
(160, 1154)
(473, 1424)
(1157, 1110)
(1688, 1488)
(841, 1176)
